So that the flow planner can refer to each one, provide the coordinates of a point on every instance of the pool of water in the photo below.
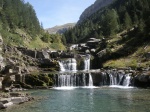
(103, 99)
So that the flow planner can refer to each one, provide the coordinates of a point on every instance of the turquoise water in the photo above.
(103, 99)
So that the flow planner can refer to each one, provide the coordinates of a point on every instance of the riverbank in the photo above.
(12, 98)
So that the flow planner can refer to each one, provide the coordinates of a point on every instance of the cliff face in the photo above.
(94, 8)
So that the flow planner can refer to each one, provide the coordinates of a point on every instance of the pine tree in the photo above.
(127, 21)
(111, 25)
(96, 35)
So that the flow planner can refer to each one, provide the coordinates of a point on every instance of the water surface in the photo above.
(104, 99)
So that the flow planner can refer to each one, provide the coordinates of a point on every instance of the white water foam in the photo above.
(121, 87)
(64, 88)
(88, 87)
(72, 88)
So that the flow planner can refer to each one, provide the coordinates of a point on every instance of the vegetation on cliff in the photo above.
(36, 80)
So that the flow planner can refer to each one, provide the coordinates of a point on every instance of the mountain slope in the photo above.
(93, 8)
(19, 26)
(60, 29)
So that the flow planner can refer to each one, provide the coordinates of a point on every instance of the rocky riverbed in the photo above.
(12, 98)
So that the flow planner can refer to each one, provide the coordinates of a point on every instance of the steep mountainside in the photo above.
(93, 8)
(125, 27)
(19, 26)
(60, 29)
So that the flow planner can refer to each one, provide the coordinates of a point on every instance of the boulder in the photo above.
(2, 105)
(102, 53)
(42, 54)
(147, 55)
(19, 100)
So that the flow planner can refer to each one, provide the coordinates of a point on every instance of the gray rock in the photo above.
(2, 106)
(101, 53)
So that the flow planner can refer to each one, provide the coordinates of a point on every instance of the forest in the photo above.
(20, 26)
(119, 16)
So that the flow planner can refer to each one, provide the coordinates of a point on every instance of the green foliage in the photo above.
(16, 13)
(110, 22)
(53, 38)
(39, 80)
(127, 21)
(46, 37)
(63, 40)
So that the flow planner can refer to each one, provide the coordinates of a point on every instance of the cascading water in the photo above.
(71, 77)
(87, 63)
(112, 78)
(68, 65)
(73, 80)
(119, 79)
(127, 80)
(61, 66)
(90, 80)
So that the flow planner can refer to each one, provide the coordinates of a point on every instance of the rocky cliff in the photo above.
(94, 8)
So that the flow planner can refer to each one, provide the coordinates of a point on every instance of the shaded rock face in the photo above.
(42, 54)
(94, 8)
(28, 52)
(142, 81)
(34, 53)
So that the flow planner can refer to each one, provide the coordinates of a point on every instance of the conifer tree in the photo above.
(127, 21)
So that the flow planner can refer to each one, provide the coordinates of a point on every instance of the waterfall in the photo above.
(119, 79)
(115, 78)
(69, 64)
(73, 80)
(71, 77)
(127, 80)
(90, 80)
(61, 66)
(87, 63)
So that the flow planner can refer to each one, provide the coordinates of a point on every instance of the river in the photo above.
(103, 99)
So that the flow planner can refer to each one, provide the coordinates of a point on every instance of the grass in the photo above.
(39, 44)
(21, 38)
(135, 58)
(36, 43)
(123, 62)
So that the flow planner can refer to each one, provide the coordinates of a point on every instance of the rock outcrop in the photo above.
(93, 8)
